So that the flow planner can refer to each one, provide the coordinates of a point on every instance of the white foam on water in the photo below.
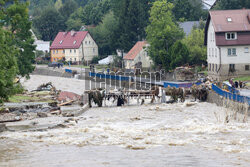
(148, 126)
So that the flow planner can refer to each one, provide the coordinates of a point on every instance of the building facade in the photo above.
(138, 57)
(227, 36)
(75, 47)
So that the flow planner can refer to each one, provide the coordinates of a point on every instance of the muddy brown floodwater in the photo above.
(148, 135)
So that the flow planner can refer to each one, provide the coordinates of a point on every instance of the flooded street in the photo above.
(148, 135)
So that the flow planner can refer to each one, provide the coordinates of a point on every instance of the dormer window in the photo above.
(229, 19)
(74, 42)
(231, 36)
(61, 42)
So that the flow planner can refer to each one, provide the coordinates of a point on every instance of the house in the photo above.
(138, 57)
(40, 44)
(74, 47)
(227, 36)
(187, 26)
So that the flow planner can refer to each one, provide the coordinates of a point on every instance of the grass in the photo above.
(21, 98)
(25, 98)
(247, 78)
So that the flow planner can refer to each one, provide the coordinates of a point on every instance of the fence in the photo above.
(231, 96)
(180, 85)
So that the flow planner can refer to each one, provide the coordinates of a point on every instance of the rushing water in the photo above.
(148, 135)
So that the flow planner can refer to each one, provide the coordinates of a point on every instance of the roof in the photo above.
(138, 47)
(106, 60)
(68, 40)
(240, 21)
(188, 25)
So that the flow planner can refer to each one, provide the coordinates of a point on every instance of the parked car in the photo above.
(55, 64)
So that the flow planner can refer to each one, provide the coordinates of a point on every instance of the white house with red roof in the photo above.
(138, 56)
(73, 47)
(227, 36)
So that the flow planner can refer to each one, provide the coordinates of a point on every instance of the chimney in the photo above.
(72, 33)
(248, 16)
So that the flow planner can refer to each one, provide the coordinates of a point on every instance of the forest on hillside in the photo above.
(113, 23)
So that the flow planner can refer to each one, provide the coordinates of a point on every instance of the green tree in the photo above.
(8, 64)
(133, 17)
(195, 45)
(162, 33)
(58, 4)
(49, 24)
(91, 14)
(190, 10)
(20, 26)
(67, 9)
(105, 34)
(179, 55)
(232, 4)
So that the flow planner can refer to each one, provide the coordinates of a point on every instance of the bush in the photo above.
(95, 60)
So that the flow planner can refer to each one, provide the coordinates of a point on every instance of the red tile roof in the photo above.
(239, 20)
(135, 50)
(68, 40)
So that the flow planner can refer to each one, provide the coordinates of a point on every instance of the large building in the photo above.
(138, 57)
(227, 36)
(74, 47)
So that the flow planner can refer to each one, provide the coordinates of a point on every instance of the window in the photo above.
(216, 53)
(74, 51)
(234, 51)
(209, 52)
(70, 51)
(53, 51)
(213, 68)
(246, 50)
(209, 69)
(61, 42)
(56, 51)
(86, 42)
(246, 67)
(63, 51)
(213, 52)
(231, 67)
(75, 59)
(74, 42)
(89, 42)
(231, 36)
(231, 51)
(216, 68)
(93, 50)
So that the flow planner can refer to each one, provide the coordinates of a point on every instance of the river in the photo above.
(149, 135)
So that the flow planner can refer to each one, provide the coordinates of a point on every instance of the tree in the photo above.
(133, 18)
(20, 26)
(49, 24)
(190, 10)
(195, 45)
(58, 4)
(8, 64)
(179, 55)
(232, 4)
(105, 34)
(162, 33)
(67, 9)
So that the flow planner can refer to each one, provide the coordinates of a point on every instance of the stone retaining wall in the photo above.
(221, 101)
